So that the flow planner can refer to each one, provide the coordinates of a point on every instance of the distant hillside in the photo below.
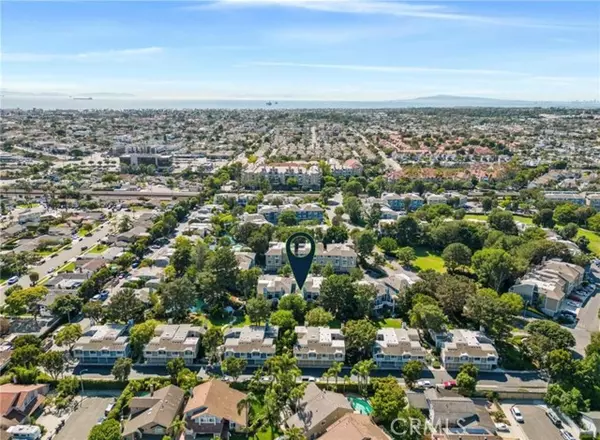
(475, 101)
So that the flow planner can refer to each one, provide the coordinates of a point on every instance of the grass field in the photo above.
(428, 260)
(28, 205)
(594, 239)
(483, 217)
(391, 322)
(68, 268)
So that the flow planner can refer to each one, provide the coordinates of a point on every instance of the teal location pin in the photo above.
(300, 265)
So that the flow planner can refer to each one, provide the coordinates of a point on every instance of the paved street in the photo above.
(537, 425)
(62, 258)
(79, 425)
(588, 320)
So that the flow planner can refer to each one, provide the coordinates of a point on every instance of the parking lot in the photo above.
(537, 426)
(81, 422)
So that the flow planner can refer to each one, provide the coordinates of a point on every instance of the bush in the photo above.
(436, 364)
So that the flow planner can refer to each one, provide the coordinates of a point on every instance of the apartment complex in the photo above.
(102, 345)
(394, 347)
(319, 346)
(549, 284)
(461, 346)
(456, 199)
(173, 341)
(341, 256)
(400, 202)
(306, 211)
(256, 344)
(160, 161)
(307, 175)
(565, 196)
(273, 287)
(351, 167)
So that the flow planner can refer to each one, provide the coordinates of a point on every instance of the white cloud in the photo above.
(115, 55)
(387, 69)
(391, 8)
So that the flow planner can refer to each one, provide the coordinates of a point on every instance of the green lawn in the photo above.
(82, 232)
(68, 268)
(98, 249)
(428, 260)
(44, 253)
(391, 322)
(483, 217)
(594, 239)
(28, 205)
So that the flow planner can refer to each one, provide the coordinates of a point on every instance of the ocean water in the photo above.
(51, 103)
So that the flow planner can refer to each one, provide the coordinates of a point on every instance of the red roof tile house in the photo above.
(212, 409)
(18, 402)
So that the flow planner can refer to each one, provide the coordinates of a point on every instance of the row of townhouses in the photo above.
(341, 256)
(307, 211)
(589, 199)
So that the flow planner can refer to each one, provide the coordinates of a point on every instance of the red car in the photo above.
(449, 384)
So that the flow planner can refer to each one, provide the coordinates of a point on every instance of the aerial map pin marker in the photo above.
(300, 265)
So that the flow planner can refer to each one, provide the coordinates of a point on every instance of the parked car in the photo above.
(13, 280)
(96, 297)
(424, 384)
(516, 412)
(449, 384)
(103, 296)
(573, 303)
(108, 408)
(566, 435)
(84, 248)
(554, 417)
(50, 270)
(501, 427)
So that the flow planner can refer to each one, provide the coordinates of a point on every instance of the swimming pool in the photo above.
(361, 405)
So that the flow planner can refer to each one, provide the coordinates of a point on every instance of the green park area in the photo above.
(483, 217)
(27, 205)
(594, 239)
(426, 259)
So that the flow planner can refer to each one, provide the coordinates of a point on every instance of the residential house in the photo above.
(19, 403)
(340, 255)
(354, 426)
(319, 346)
(245, 260)
(449, 409)
(462, 346)
(274, 287)
(102, 344)
(549, 284)
(172, 341)
(256, 344)
(394, 347)
(151, 416)
(312, 288)
(318, 410)
(212, 410)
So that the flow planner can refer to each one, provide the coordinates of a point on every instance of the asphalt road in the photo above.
(62, 258)
(81, 422)
(537, 425)
(588, 320)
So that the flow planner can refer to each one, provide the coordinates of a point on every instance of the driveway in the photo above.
(62, 258)
(81, 422)
(588, 321)
(537, 425)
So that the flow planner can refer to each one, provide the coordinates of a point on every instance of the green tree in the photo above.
(234, 367)
(223, 264)
(466, 384)
(546, 336)
(53, 362)
(388, 245)
(405, 255)
(338, 296)
(122, 369)
(502, 221)
(139, 335)
(25, 300)
(178, 297)
(594, 222)
(428, 317)
(409, 425)
(294, 303)
(365, 243)
(560, 365)
(284, 319)
(569, 231)
(362, 370)
(594, 345)
(174, 366)
(34, 277)
(353, 207)
(411, 372)
(125, 305)
(258, 309)
(544, 218)
(66, 305)
(359, 337)
(494, 267)
(389, 399)
(93, 310)
(110, 429)
(211, 342)
(487, 204)
(68, 386)
(328, 270)
(456, 255)
(26, 356)
(318, 317)
(287, 218)
(565, 213)
(247, 281)
(68, 335)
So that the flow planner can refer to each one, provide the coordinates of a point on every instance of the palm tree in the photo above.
(177, 427)
(347, 381)
(246, 404)
(334, 371)
(362, 370)
(294, 433)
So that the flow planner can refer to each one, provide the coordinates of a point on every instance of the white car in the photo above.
(566, 434)
(572, 303)
(517, 414)
(501, 427)
(424, 384)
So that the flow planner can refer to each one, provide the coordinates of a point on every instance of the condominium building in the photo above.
(173, 341)
(319, 346)
(256, 344)
(593, 200)
(307, 211)
(308, 175)
(399, 202)
(351, 167)
(312, 288)
(394, 347)
(457, 199)
(461, 346)
(160, 161)
(102, 344)
(273, 287)
(548, 285)
(565, 196)
(340, 255)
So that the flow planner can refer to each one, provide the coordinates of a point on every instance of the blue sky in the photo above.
(303, 49)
